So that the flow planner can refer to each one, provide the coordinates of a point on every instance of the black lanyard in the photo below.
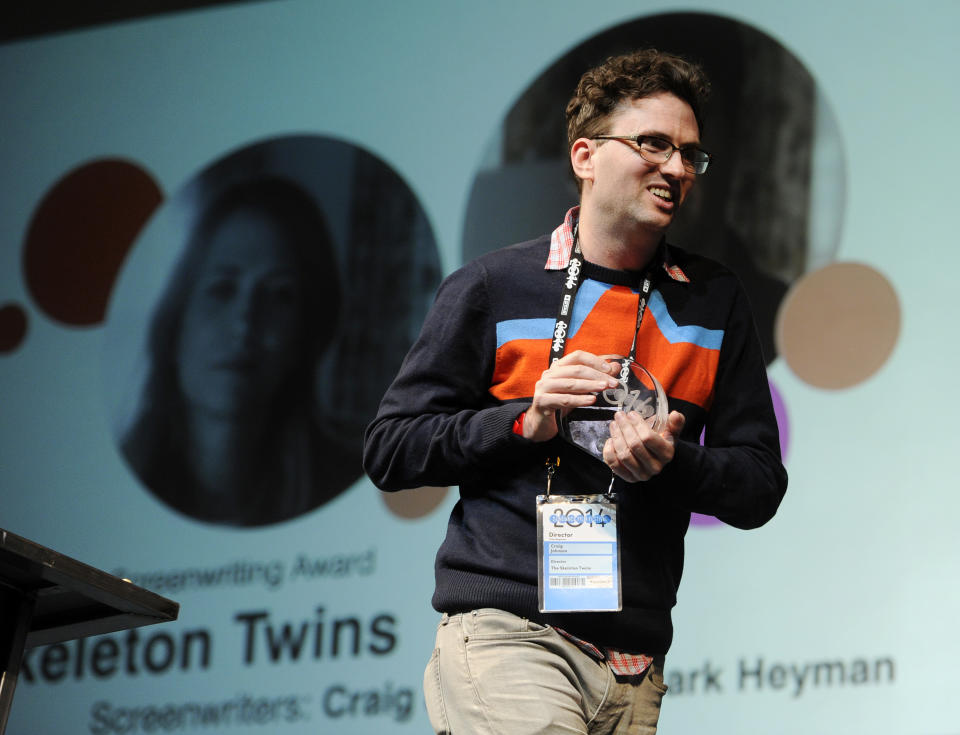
(570, 287)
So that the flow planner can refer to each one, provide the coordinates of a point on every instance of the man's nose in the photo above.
(674, 165)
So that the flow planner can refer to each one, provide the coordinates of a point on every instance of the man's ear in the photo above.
(581, 158)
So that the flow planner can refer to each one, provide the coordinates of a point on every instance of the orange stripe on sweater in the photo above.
(685, 370)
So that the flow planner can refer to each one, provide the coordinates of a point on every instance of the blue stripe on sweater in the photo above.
(587, 297)
(709, 339)
(590, 292)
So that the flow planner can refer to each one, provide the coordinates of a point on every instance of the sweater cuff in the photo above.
(496, 427)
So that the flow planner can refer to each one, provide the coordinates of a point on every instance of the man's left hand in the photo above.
(634, 451)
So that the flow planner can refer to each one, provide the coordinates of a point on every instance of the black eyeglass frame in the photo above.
(688, 165)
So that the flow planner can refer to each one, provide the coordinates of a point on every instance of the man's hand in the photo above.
(571, 382)
(634, 451)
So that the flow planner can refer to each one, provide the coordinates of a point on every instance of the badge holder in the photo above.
(579, 551)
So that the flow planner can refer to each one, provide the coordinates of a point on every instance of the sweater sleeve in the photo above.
(737, 474)
(437, 420)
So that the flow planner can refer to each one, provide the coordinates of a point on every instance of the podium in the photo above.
(46, 597)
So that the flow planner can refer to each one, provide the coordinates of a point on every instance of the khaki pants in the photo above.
(498, 674)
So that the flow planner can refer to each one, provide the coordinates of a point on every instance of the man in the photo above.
(477, 400)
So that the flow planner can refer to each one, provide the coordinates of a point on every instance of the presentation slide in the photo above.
(245, 211)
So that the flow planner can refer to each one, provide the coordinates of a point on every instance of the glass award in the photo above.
(589, 427)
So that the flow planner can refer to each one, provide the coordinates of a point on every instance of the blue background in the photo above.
(859, 566)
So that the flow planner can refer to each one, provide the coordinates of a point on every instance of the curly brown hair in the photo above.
(628, 77)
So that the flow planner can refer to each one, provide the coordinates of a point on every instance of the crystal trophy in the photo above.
(588, 427)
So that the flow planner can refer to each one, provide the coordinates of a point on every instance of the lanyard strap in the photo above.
(570, 287)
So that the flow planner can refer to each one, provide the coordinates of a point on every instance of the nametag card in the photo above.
(579, 558)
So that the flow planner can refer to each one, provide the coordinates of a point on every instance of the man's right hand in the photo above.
(571, 382)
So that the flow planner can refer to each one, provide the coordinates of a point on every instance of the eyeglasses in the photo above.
(657, 150)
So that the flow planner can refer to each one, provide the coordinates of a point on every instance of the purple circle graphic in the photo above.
(783, 424)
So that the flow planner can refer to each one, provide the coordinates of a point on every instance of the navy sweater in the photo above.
(447, 420)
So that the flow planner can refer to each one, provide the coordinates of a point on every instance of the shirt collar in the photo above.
(561, 245)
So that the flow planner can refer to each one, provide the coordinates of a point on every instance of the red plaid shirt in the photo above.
(622, 664)
(561, 245)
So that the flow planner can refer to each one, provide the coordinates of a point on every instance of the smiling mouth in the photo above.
(661, 193)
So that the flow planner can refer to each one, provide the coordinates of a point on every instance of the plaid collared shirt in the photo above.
(622, 664)
(561, 245)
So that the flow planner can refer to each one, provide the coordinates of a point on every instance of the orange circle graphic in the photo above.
(837, 326)
(418, 503)
(13, 327)
(80, 234)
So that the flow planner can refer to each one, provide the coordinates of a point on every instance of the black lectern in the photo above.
(46, 597)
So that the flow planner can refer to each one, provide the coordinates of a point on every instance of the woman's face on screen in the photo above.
(241, 332)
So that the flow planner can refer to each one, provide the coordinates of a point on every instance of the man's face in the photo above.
(626, 189)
